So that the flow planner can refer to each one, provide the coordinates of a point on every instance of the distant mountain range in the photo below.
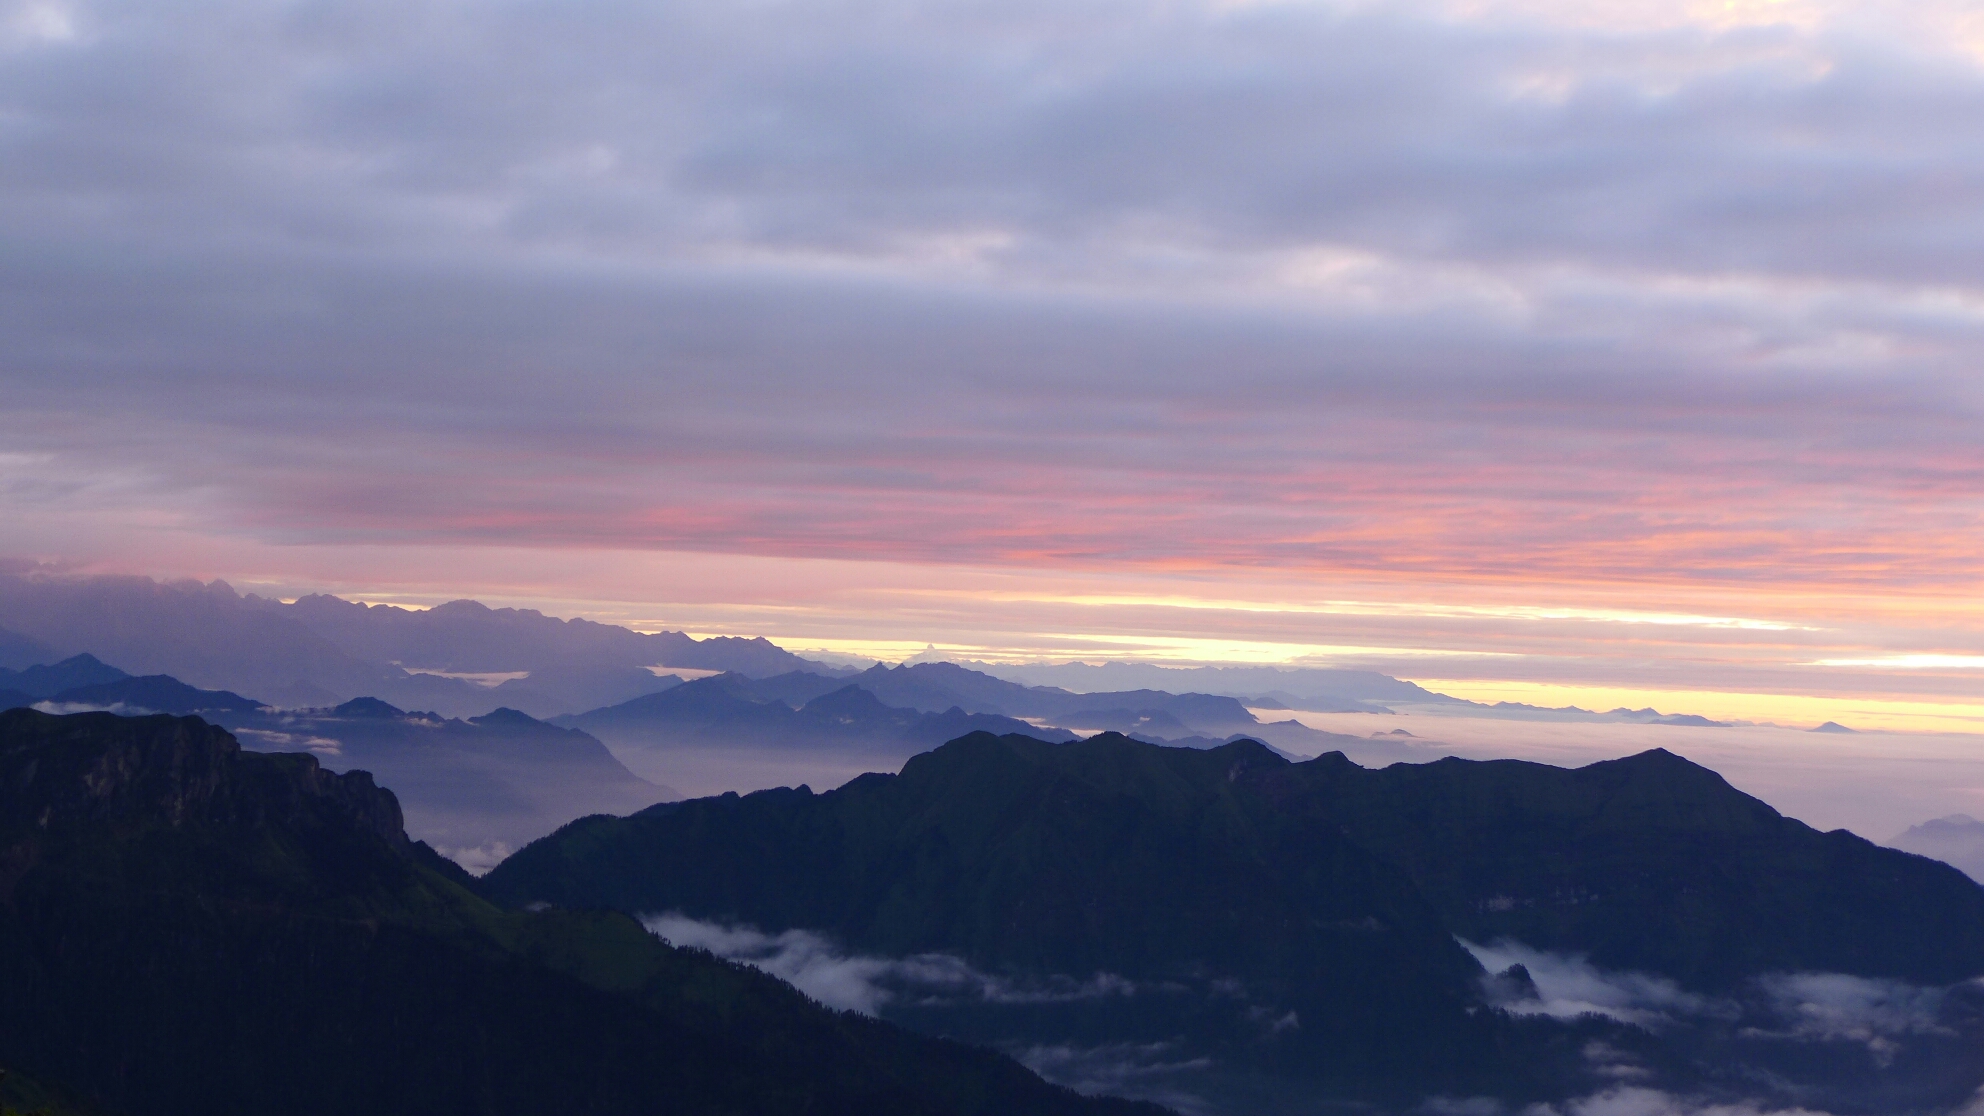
(1154, 715)
(476, 788)
(1311, 688)
(726, 713)
(187, 928)
(1118, 874)
(463, 659)
(1296, 924)
(1215, 926)
(320, 651)
(482, 786)
(1957, 840)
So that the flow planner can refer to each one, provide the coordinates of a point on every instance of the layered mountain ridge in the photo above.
(1331, 897)
(167, 901)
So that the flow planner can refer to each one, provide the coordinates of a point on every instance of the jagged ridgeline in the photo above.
(188, 928)
(1309, 911)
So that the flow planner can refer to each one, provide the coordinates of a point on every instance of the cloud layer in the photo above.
(1790, 1044)
(854, 982)
(1544, 299)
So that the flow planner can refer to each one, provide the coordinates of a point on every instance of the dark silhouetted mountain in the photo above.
(1833, 726)
(21, 1095)
(45, 681)
(476, 788)
(157, 693)
(14, 699)
(1104, 856)
(1957, 840)
(187, 928)
(1649, 863)
(1327, 895)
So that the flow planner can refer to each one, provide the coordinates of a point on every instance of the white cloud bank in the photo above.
(853, 982)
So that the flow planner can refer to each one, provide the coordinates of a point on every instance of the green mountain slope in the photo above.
(188, 928)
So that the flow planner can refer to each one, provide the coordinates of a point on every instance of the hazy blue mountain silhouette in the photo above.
(470, 637)
(476, 788)
(1288, 687)
(322, 650)
(158, 693)
(727, 711)
(1149, 714)
(47, 680)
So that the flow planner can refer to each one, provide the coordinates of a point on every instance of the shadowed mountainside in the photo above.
(1102, 856)
(1325, 894)
(189, 928)
(1649, 862)
(1957, 840)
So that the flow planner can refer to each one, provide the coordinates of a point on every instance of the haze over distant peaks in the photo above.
(1957, 839)
(321, 650)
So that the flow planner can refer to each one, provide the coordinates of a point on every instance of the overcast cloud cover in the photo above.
(1549, 298)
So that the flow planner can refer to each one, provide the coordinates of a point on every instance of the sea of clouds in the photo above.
(1753, 1027)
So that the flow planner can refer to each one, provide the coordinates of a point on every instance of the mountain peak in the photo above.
(849, 700)
(507, 717)
(368, 707)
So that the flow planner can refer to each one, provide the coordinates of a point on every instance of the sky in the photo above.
(1534, 350)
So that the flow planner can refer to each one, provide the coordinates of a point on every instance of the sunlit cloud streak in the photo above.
(1503, 316)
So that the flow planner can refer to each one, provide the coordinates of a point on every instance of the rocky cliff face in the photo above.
(99, 770)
